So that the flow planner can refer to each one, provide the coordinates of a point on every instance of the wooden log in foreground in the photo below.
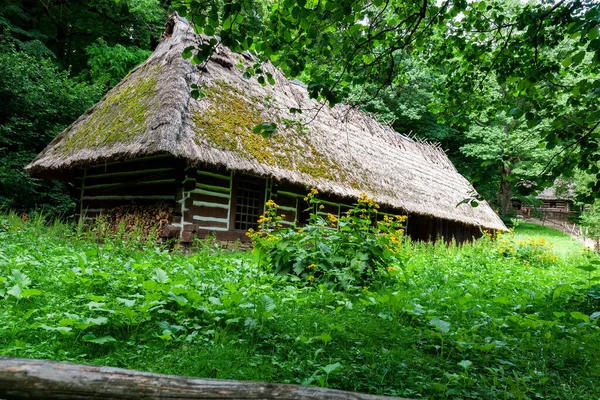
(38, 379)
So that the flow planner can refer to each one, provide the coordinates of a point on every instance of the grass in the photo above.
(477, 321)
(562, 244)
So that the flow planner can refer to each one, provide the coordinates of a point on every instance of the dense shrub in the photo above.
(360, 248)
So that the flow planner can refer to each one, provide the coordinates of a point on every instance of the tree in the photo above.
(38, 101)
(109, 64)
(68, 27)
(511, 153)
(545, 54)
(45, 50)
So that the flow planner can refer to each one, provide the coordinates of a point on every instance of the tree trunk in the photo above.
(505, 191)
(38, 379)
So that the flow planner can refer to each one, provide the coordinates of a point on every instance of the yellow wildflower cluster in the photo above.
(313, 193)
(363, 198)
(311, 266)
(397, 238)
(531, 251)
(263, 218)
(271, 203)
(332, 219)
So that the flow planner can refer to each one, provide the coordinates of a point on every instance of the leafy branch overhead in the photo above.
(544, 56)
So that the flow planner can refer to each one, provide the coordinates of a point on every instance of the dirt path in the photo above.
(587, 242)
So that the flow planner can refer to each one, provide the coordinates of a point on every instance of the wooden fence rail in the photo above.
(38, 379)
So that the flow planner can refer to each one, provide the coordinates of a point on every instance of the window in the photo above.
(249, 200)
(552, 204)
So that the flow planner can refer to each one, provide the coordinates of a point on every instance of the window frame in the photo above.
(237, 180)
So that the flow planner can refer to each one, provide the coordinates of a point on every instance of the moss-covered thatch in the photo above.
(337, 150)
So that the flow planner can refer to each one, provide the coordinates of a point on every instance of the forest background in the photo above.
(509, 89)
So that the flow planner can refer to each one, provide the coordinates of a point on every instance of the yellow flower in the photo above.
(311, 278)
(271, 203)
(321, 207)
(312, 266)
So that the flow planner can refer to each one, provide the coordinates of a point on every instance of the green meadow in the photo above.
(511, 317)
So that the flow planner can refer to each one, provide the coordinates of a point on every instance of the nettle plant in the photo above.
(361, 248)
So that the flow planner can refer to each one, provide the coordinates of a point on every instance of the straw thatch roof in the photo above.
(337, 150)
(560, 190)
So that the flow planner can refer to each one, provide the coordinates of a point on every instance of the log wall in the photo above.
(204, 199)
(145, 180)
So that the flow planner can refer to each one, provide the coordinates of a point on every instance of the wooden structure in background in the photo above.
(556, 203)
(150, 141)
(38, 379)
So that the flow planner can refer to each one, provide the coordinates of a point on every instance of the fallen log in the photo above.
(39, 379)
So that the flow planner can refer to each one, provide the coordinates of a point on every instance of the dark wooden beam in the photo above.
(39, 379)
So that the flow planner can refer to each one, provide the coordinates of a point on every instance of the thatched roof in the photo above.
(560, 190)
(338, 150)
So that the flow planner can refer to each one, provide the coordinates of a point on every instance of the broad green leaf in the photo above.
(502, 300)
(465, 364)
(325, 337)
(82, 259)
(332, 367)
(215, 300)
(64, 330)
(15, 291)
(126, 302)
(160, 276)
(443, 326)
(91, 338)
(30, 292)
(266, 304)
(560, 289)
(187, 52)
(227, 24)
(20, 278)
(587, 268)
(580, 316)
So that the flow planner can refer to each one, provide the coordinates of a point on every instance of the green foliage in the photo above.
(471, 323)
(67, 28)
(534, 251)
(348, 252)
(109, 64)
(45, 49)
(38, 102)
(544, 56)
(590, 222)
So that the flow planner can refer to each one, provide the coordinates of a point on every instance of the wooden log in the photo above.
(39, 379)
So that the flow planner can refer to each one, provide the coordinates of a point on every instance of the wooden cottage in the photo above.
(149, 141)
(557, 201)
